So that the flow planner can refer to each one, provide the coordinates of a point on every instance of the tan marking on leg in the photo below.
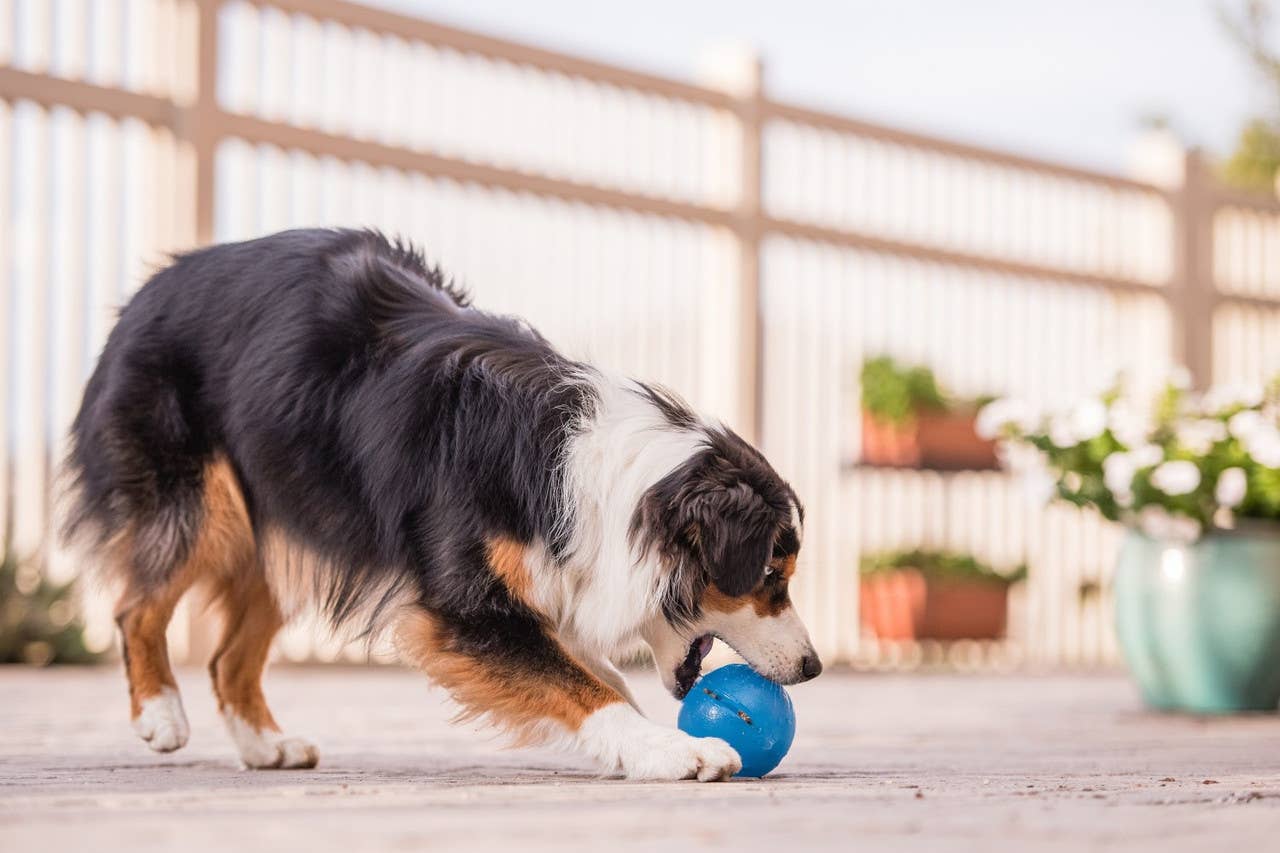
(506, 559)
(146, 651)
(513, 697)
(251, 621)
(223, 545)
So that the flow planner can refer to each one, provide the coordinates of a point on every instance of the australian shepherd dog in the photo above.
(318, 417)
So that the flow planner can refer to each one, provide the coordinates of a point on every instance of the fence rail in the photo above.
(745, 250)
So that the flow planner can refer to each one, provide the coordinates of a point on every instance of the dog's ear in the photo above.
(732, 529)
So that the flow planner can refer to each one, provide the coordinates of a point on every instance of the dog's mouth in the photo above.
(691, 667)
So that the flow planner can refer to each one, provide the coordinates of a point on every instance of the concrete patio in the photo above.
(880, 762)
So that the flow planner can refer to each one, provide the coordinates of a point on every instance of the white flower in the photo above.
(1030, 466)
(1177, 477)
(1117, 472)
(1081, 422)
(1154, 521)
(1127, 424)
(1225, 397)
(1038, 485)
(1245, 423)
(1119, 468)
(1180, 378)
(995, 418)
(1263, 445)
(1147, 455)
(1184, 529)
(1200, 435)
(1158, 523)
(1088, 419)
(1061, 432)
(1231, 488)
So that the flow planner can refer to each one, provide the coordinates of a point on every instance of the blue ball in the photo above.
(748, 711)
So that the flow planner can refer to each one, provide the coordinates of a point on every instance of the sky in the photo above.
(1069, 80)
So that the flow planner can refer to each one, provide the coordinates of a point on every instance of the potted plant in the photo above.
(933, 595)
(909, 422)
(39, 621)
(1197, 481)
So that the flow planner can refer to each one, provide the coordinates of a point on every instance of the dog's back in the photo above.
(277, 357)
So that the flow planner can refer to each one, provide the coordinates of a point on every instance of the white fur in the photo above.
(261, 748)
(621, 740)
(607, 591)
(775, 646)
(298, 577)
(608, 594)
(162, 723)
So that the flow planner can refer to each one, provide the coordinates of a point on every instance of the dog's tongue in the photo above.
(704, 644)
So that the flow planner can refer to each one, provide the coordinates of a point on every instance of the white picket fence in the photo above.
(748, 253)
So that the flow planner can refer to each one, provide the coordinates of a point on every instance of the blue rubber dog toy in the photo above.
(748, 711)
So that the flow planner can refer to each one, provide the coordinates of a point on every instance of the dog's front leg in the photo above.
(512, 671)
(604, 669)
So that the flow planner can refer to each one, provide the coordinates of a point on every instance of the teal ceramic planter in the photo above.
(1200, 624)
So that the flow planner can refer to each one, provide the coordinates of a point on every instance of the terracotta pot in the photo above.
(889, 444)
(949, 442)
(904, 605)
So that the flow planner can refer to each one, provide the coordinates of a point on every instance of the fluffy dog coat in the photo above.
(317, 416)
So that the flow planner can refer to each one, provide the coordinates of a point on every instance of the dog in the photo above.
(319, 417)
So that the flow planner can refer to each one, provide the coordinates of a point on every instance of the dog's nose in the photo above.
(810, 667)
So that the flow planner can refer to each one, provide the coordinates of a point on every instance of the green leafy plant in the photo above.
(1256, 158)
(940, 565)
(894, 393)
(39, 622)
(1174, 466)
(1249, 24)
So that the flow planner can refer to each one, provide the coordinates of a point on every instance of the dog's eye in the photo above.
(785, 544)
(768, 570)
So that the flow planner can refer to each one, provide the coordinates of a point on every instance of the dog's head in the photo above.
(727, 530)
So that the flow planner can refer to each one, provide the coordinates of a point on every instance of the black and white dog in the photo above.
(317, 416)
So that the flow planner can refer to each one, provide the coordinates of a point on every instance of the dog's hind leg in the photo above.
(251, 620)
(221, 546)
(155, 705)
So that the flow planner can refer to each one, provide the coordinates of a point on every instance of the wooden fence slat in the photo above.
(28, 370)
(8, 294)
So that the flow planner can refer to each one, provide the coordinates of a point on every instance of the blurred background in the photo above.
(839, 227)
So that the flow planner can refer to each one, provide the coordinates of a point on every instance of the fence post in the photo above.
(1192, 292)
(750, 228)
(198, 122)
(739, 71)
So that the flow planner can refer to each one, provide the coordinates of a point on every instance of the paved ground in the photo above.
(922, 763)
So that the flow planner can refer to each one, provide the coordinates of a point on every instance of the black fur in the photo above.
(370, 413)
(719, 518)
(366, 411)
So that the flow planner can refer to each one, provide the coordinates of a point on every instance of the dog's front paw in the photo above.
(161, 721)
(672, 754)
(622, 739)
